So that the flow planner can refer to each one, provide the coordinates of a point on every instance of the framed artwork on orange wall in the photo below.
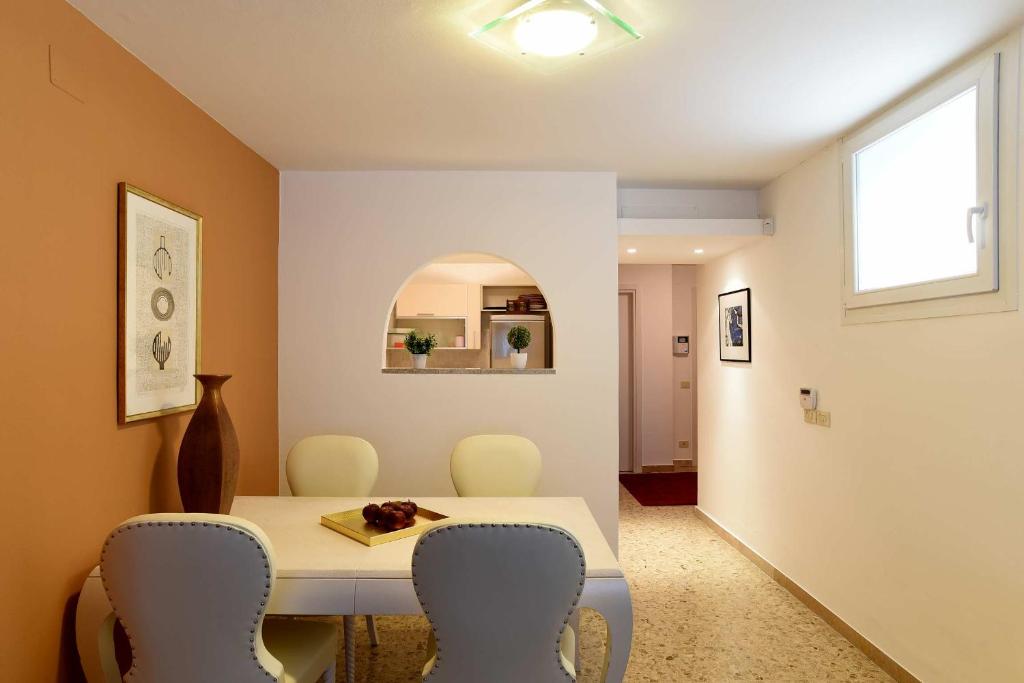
(159, 291)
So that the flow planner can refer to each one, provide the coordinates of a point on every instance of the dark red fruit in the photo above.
(371, 513)
(394, 520)
(393, 515)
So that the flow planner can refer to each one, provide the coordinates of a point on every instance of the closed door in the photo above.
(626, 370)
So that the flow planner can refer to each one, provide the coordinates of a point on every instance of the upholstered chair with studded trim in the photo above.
(499, 599)
(191, 591)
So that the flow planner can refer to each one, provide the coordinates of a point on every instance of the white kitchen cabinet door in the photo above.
(433, 300)
(473, 330)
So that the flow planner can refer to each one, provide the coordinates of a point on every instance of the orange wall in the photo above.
(69, 473)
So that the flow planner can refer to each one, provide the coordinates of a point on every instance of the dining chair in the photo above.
(495, 465)
(499, 599)
(335, 466)
(332, 465)
(191, 591)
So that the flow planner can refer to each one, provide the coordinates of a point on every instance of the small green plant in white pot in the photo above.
(518, 339)
(420, 347)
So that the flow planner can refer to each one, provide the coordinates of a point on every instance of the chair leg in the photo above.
(574, 622)
(349, 624)
(371, 628)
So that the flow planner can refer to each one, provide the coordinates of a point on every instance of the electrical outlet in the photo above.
(684, 385)
(810, 416)
(684, 444)
(824, 418)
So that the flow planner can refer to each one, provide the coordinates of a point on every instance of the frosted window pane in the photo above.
(913, 189)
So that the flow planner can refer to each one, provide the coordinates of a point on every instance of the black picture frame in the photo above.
(735, 331)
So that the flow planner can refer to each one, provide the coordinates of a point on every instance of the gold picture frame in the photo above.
(156, 235)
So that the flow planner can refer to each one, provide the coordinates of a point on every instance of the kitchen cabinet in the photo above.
(475, 301)
(451, 304)
(440, 300)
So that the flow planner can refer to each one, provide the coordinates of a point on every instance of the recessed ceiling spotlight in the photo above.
(631, 250)
(698, 251)
(546, 33)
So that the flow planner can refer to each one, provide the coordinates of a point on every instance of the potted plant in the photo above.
(518, 339)
(420, 347)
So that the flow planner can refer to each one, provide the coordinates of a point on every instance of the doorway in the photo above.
(628, 377)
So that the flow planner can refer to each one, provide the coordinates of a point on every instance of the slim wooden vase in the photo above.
(208, 457)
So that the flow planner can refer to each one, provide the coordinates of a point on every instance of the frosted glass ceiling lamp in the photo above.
(551, 34)
(555, 33)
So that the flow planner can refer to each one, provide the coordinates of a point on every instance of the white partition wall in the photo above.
(349, 240)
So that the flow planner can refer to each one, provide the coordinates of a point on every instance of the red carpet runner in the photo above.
(662, 488)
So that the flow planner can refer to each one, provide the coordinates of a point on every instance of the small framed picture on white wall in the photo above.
(734, 326)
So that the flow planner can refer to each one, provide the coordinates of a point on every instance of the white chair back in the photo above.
(191, 591)
(498, 597)
(332, 465)
(496, 465)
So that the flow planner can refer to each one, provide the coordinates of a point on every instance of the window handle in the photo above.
(971, 212)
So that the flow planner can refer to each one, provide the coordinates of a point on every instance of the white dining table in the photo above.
(322, 572)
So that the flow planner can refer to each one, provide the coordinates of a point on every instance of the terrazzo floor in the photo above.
(702, 612)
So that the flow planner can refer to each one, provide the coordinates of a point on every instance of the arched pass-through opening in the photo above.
(474, 309)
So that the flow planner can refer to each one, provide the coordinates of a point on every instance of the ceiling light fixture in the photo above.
(631, 250)
(698, 251)
(540, 32)
(555, 32)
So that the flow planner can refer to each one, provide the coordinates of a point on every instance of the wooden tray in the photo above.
(351, 524)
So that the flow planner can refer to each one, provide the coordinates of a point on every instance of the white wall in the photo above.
(348, 243)
(665, 307)
(653, 285)
(684, 322)
(670, 203)
(906, 518)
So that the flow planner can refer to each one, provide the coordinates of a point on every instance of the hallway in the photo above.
(702, 612)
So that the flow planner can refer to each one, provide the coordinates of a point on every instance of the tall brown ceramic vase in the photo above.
(208, 457)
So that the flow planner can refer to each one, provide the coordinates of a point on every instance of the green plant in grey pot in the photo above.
(420, 346)
(518, 339)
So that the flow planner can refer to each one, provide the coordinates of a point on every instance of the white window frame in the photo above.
(984, 75)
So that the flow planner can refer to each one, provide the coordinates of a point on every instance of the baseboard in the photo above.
(874, 653)
(668, 468)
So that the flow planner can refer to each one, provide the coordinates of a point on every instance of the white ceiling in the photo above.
(652, 249)
(719, 92)
(490, 272)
